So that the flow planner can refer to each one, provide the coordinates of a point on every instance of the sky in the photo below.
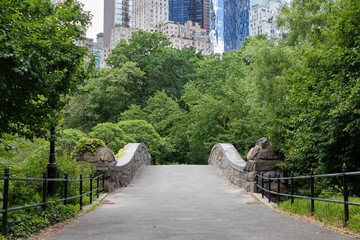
(96, 7)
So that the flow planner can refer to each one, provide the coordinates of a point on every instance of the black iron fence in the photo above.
(45, 180)
(261, 180)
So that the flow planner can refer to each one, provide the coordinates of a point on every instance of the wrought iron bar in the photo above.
(81, 192)
(44, 191)
(66, 188)
(312, 191)
(5, 201)
(346, 195)
(91, 190)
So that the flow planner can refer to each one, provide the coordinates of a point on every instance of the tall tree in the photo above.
(40, 64)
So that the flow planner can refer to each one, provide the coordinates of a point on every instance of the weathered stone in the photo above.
(250, 166)
(253, 153)
(250, 176)
(265, 165)
(263, 143)
(268, 154)
(283, 187)
(250, 186)
(102, 158)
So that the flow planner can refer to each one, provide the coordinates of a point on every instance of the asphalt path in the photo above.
(186, 202)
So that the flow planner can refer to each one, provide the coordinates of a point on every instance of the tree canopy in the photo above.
(40, 64)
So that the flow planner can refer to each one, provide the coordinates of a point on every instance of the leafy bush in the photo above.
(67, 140)
(113, 136)
(143, 132)
(87, 145)
(23, 223)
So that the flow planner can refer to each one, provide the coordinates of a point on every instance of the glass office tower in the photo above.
(236, 21)
(229, 24)
(181, 11)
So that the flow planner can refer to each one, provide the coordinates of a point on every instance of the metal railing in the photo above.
(4, 211)
(260, 185)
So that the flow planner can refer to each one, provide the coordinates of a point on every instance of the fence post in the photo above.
(278, 188)
(312, 192)
(6, 200)
(257, 181)
(292, 187)
(346, 194)
(66, 188)
(91, 182)
(103, 182)
(44, 191)
(262, 185)
(97, 186)
(269, 188)
(81, 191)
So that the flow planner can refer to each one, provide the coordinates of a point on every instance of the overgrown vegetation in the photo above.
(331, 214)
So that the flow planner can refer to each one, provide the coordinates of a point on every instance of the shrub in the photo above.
(113, 136)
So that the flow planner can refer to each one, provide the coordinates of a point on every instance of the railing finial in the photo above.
(344, 167)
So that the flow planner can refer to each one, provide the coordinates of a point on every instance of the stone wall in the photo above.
(118, 172)
(260, 159)
(225, 157)
(134, 156)
(263, 160)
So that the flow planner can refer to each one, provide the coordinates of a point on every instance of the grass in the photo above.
(327, 213)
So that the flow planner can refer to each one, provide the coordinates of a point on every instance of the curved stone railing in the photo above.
(134, 156)
(226, 157)
(260, 159)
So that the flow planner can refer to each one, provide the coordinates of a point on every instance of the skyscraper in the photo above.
(116, 13)
(206, 6)
(229, 24)
(181, 11)
(236, 22)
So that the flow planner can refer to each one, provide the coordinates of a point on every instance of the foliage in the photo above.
(319, 109)
(328, 213)
(14, 150)
(143, 132)
(25, 222)
(40, 64)
(67, 140)
(113, 136)
(87, 145)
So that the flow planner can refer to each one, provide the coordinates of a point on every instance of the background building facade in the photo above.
(147, 14)
(116, 13)
(181, 11)
(262, 18)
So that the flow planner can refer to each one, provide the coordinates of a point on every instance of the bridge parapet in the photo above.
(260, 158)
(118, 172)
(226, 157)
(134, 156)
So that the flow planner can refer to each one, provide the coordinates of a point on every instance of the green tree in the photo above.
(113, 136)
(320, 116)
(143, 132)
(40, 64)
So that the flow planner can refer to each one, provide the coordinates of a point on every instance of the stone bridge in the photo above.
(187, 202)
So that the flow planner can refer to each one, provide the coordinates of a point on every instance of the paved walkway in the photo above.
(186, 202)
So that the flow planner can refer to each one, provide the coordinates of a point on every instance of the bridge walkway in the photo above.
(186, 202)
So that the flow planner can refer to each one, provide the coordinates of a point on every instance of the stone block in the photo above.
(268, 154)
(263, 143)
(283, 187)
(265, 165)
(253, 153)
(250, 166)
(250, 176)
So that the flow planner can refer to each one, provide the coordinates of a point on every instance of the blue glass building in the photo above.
(181, 11)
(229, 24)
